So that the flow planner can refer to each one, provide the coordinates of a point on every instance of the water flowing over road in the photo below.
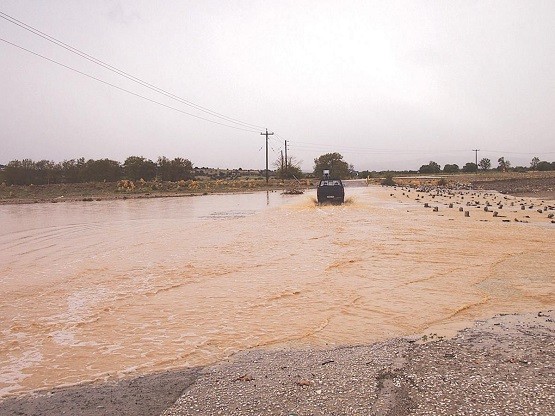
(107, 289)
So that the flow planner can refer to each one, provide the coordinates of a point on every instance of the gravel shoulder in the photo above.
(501, 366)
(146, 395)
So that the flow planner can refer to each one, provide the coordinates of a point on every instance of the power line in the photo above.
(121, 72)
(307, 146)
(275, 139)
(518, 153)
(365, 149)
(370, 150)
(360, 150)
(125, 90)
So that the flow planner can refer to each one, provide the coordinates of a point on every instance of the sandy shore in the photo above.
(501, 366)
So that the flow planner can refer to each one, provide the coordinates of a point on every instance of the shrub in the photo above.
(470, 167)
(544, 166)
(388, 181)
(451, 168)
(431, 167)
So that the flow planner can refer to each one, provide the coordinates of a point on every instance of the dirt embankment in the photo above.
(97, 191)
(527, 184)
(529, 187)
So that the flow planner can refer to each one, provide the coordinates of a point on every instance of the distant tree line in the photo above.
(27, 171)
(485, 165)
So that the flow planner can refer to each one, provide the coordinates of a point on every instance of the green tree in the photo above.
(534, 163)
(175, 170)
(72, 170)
(48, 172)
(484, 164)
(451, 168)
(504, 165)
(13, 173)
(470, 167)
(183, 169)
(334, 162)
(137, 167)
(431, 167)
(22, 172)
(100, 170)
(27, 172)
(164, 168)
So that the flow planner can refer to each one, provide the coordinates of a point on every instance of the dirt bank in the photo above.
(500, 366)
(527, 187)
(527, 184)
(96, 191)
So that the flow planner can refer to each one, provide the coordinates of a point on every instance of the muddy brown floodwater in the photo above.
(92, 291)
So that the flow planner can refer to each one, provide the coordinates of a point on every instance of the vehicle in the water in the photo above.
(330, 190)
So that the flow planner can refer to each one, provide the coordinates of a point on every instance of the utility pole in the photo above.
(286, 156)
(266, 134)
(476, 151)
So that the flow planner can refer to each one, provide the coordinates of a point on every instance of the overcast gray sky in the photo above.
(389, 84)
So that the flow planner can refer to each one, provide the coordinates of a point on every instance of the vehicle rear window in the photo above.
(330, 183)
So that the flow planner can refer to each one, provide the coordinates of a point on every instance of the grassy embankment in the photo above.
(507, 182)
(95, 191)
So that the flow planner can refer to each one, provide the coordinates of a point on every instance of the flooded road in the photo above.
(107, 289)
